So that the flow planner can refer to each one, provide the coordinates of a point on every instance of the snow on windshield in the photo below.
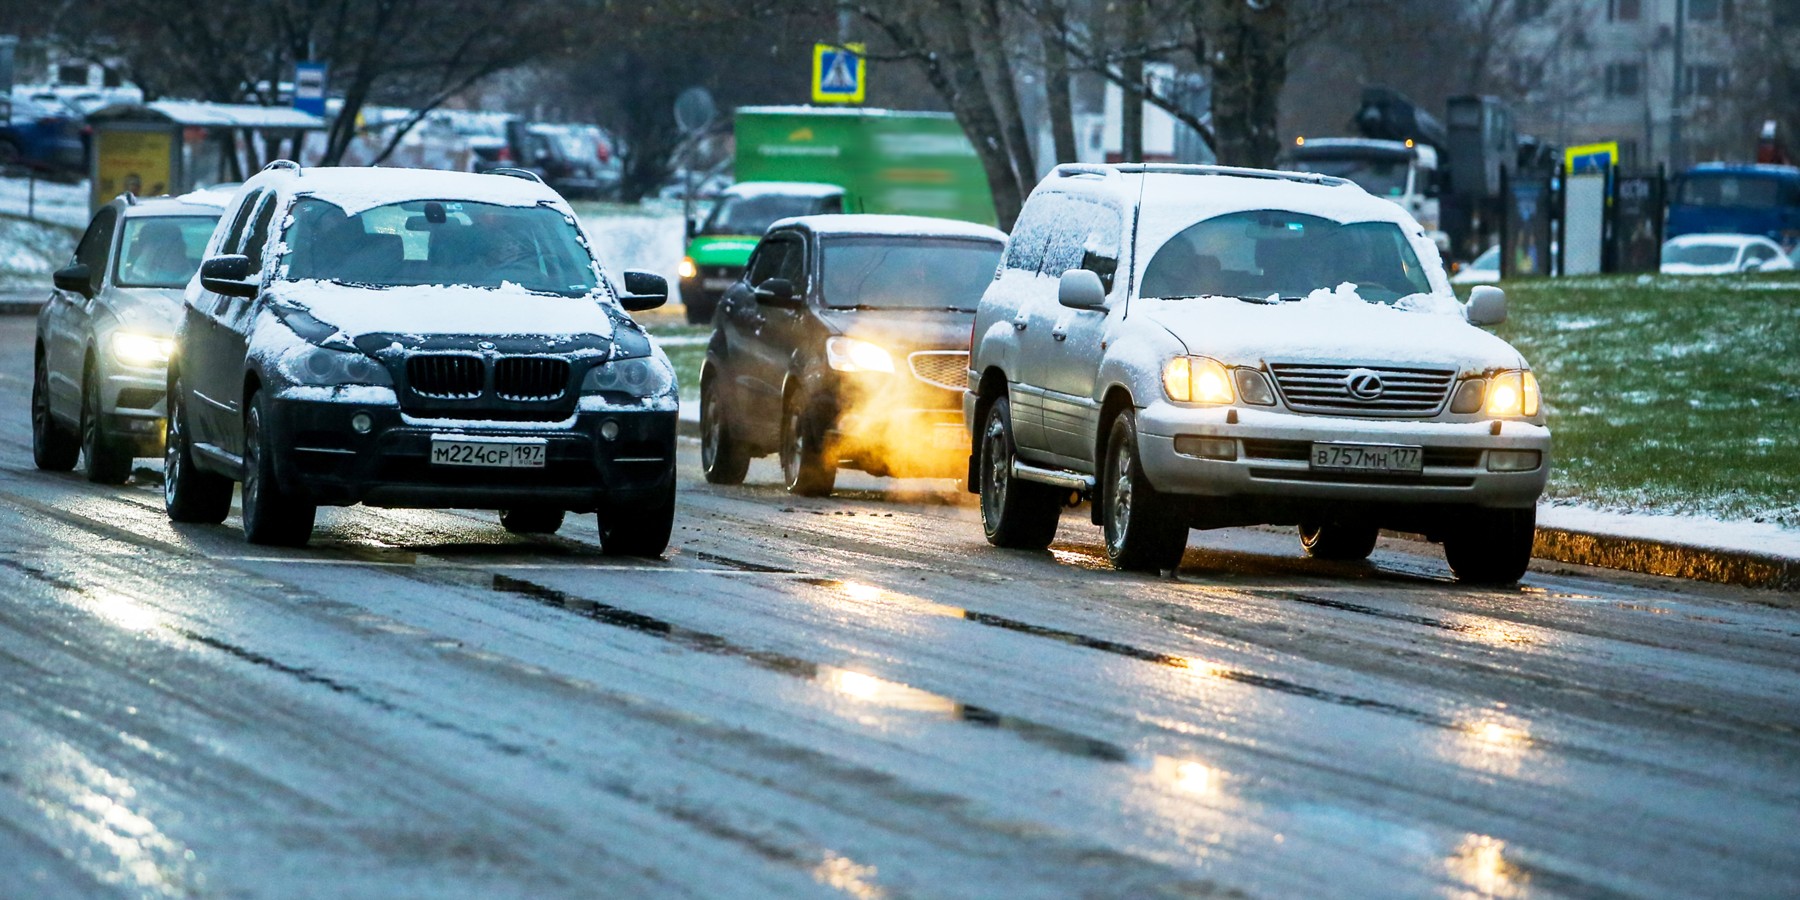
(1700, 254)
(1278, 254)
(433, 242)
(908, 274)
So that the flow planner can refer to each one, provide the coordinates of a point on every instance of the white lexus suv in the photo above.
(1204, 347)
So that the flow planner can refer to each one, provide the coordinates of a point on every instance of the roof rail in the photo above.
(129, 198)
(516, 172)
(1070, 170)
(282, 164)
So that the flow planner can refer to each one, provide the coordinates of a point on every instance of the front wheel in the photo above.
(641, 530)
(1338, 541)
(806, 468)
(53, 447)
(722, 459)
(271, 515)
(107, 461)
(1022, 515)
(189, 495)
(536, 520)
(1144, 530)
(1492, 547)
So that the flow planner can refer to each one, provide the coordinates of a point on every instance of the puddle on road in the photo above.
(858, 686)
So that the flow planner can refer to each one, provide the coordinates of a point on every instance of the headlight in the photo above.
(1196, 379)
(1513, 394)
(687, 269)
(1253, 387)
(315, 365)
(141, 349)
(644, 376)
(851, 355)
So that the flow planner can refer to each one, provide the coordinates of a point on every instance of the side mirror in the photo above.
(693, 229)
(776, 292)
(1081, 289)
(76, 277)
(644, 290)
(1487, 306)
(228, 275)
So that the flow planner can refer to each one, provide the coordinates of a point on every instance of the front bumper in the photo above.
(1272, 469)
(326, 460)
(133, 402)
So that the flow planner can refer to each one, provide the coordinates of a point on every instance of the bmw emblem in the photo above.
(486, 345)
(1364, 385)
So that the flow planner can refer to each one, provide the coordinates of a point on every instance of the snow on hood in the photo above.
(1332, 326)
(439, 309)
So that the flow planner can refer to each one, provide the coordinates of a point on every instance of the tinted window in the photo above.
(1700, 254)
(1272, 253)
(96, 244)
(239, 221)
(259, 233)
(162, 251)
(1742, 191)
(438, 242)
(793, 265)
(755, 213)
(908, 273)
(770, 258)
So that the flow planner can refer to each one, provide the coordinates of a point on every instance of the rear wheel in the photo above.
(1492, 546)
(1144, 530)
(722, 459)
(805, 467)
(107, 461)
(189, 494)
(271, 515)
(53, 447)
(1338, 541)
(531, 521)
(639, 530)
(1019, 514)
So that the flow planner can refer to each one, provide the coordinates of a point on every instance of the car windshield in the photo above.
(1700, 254)
(445, 242)
(1489, 259)
(907, 273)
(162, 251)
(1277, 254)
(1736, 191)
(754, 214)
(1381, 177)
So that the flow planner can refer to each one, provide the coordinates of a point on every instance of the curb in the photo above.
(10, 306)
(1605, 551)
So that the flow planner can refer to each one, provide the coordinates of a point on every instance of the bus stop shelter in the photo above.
(176, 146)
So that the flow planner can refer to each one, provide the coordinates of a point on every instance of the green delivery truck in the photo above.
(803, 160)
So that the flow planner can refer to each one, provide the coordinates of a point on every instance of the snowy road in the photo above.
(855, 697)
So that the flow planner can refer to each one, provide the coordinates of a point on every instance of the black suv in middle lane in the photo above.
(846, 344)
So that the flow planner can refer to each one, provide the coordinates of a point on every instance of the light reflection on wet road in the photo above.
(856, 697)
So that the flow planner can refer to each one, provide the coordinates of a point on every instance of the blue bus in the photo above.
(1737, 198)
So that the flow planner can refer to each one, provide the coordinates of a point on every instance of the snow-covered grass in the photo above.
(1669, 394)
(62, 204)
(30, 251)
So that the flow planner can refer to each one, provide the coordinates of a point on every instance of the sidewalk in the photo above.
(1749, 554)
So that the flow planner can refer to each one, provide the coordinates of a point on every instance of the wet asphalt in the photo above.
(856, 697)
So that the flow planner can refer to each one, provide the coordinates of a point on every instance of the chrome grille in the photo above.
(1325, 389)
(446, 376)
(530, 378)
(947, 369)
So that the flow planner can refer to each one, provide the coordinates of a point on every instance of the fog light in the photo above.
(1514, 460)
(362, 423)
(609, 430)
(1206, 447)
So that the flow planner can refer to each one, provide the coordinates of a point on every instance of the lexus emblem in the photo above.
(1364, 385)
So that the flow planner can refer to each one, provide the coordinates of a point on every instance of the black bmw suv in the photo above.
(404, 338)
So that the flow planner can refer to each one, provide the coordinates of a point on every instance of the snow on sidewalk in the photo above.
(1759, 538)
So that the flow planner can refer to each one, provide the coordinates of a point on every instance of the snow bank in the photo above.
(1700, 531)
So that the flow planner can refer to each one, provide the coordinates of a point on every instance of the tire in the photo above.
(537, 520)
(641, 530)
(107, 461)
(1338, 541)
(53, 447)
(1145, 532)
(272, 516)
(1492, 546)
(722, 459)
(189, 495)
(1021, 515)
(806, 469)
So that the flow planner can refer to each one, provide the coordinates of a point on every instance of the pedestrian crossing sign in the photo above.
(838, 71)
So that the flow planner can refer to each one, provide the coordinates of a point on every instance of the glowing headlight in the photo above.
(687, 269)
(851, 355)
(645, 376)
(141, 349)
(314, 365)
(1513, 394)
(1196, 379)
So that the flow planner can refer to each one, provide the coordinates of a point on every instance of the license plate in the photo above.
(497, 454)
(1368, 458)
(946, 437)
(718, 284)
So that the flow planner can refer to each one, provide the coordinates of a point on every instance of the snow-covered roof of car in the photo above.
(184, 205)
(783, 188)
(892, 226)
(361, 188)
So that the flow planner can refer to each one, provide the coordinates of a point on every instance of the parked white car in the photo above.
(1202, 347)
(1483, 269)
(1722, 254)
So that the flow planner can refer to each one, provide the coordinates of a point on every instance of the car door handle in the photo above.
(1020, 321)
(1059, 333)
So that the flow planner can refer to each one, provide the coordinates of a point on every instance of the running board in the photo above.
(1057, 477)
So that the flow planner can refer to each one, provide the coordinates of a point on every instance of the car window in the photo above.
(96, 245)
(1025, 250)
(1086, 235)
(438, 242)
(1277, 253)
(1759, 253)
(259, 233)
(162, 251)
(755, 213)
(770, 257)
(907, 273)
(793, 264)
(1699, 254)
(239, 221)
